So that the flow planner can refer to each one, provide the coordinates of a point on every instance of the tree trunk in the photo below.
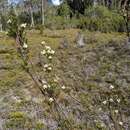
(127, 22)
(43, 16)
(103, 3)
(32, 18)
(119, 4)
(1, 29)
(15, 11)
(95, 3)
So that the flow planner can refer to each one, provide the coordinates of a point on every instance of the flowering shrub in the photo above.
(12, 26)
(49, 85)
(46, 81)
(113, 101)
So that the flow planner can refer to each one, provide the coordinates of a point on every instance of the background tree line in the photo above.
(101, 15)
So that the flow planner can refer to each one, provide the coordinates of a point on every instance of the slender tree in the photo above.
(42, 10)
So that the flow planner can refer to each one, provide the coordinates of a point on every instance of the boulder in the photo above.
(80, 40)
(128, 43)
(64, 43)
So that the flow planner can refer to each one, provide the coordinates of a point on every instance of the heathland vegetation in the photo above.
(65, 67)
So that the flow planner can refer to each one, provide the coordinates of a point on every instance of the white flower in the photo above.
(23, 25)
(63, 87)
(104, 102)
(102, 125)
(48, 51)
(121, 123)
(43, 52)
(52, 52)
(116, 111)
(45, 86)
(125, 14)
(111, 86)
(44, 82)
(47, 47)
(25, 46)
(118, 100)
(46, 65)
(55, 80)
(100, 109)
(49, 68)
(43, 42)
(111, 100)
(51, 99)
(9, 21)
(50, 57)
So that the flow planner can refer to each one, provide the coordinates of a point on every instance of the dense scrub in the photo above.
(95, 19)
(99, 18)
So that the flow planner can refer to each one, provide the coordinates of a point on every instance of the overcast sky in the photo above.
(55, 2)
(13, 1)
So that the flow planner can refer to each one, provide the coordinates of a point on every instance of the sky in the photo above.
(13, 1)
(54, 2)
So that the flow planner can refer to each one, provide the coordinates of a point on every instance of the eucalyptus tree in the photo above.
(28, 8)
(126, 10)
(31, 6)
(43, 11)
(3, 13)
(35, 6)
(77, 5)
(81, 5)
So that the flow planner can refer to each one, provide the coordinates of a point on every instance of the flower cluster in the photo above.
(47, 87)
(51, 100)
(17, 30)
(51, 85)
(19, 34)
(47, 54)
(25, 46)
(47, 51)
(113, 101)
(47, 67)
(45, 84)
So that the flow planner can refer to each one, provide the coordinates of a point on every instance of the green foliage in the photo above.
(24, 17)
(102, 19)
(64, 10)
(3, 21)
(57, 22)
(92, 89)
(39, 126)
(12, 24)
(17, 120)
(97, 18)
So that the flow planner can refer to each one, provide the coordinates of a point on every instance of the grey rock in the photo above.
(128, 43)
(64, 43)
(80, 40)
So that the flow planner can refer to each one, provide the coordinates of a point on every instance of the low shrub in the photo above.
(102, 19)
(95, 19)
